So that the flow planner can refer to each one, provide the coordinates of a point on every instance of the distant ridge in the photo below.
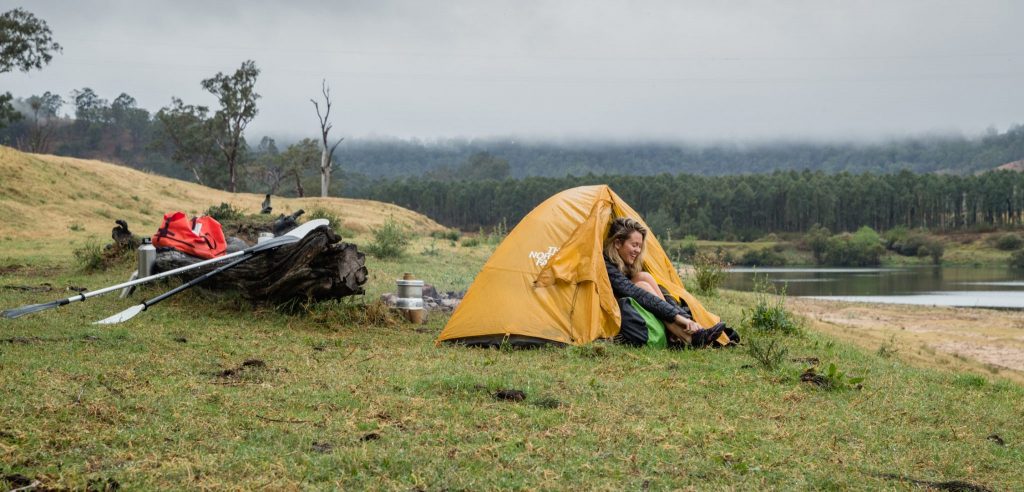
(1012, 166)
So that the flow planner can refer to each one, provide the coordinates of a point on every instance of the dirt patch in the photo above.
(43, 287)
(236, 371)
(952, 485)
(509, 395)
(981, 340)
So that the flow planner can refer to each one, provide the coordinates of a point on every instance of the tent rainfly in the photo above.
(547, 283)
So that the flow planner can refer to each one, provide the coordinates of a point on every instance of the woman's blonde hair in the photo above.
(619, 232)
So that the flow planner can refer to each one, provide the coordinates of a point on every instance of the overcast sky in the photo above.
(689, 70)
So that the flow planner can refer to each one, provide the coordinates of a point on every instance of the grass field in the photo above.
(215, 393)
(208, 391)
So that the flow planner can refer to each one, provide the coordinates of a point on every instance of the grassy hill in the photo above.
(210, 392)
(54, 201)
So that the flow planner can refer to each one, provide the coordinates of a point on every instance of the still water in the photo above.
(967, 286)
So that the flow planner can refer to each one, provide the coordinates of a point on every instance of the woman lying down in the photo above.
(646, 309)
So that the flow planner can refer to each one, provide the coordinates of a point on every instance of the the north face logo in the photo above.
(542, 257)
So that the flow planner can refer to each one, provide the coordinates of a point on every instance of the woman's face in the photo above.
(630, 248)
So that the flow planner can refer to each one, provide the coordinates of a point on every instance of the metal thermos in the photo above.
(147, 257)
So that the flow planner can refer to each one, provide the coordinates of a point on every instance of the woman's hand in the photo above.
(689, 325)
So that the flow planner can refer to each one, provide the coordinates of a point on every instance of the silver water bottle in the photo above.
(147, 258)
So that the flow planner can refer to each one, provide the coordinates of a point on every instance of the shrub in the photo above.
(93, 257)
(831, 379)
(770, 352)
(431, 249)
(862, 248)
(449, 234)
(762, 257)
(1017, 259)
(389, 240)
(497, 234)
(685, 250)
(769, 313)
(224, 211)
(935, 249)
(471, 242)
(817, 241)
(1008, 242)
(323, 213)
(894, 236)
(90, 256)
(910, 245)
(709, 271)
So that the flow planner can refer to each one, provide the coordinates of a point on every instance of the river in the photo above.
(966, 286)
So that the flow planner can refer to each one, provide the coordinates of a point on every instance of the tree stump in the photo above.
(318, 267)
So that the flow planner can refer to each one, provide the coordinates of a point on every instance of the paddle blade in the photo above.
(123, 316)
(32, 308)
(301, 231)
(289, 237)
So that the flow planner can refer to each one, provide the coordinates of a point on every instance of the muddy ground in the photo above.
(986, 341)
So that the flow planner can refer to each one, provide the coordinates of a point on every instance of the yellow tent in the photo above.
(547, 281)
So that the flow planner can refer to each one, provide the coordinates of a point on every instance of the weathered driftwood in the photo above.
(318, 267)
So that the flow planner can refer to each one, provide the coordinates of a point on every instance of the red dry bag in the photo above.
(201, 237)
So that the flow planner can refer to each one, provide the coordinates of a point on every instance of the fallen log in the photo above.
(318, 267)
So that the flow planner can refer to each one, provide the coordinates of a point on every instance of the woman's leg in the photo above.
(646, 282)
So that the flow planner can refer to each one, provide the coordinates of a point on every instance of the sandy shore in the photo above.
(981, 340)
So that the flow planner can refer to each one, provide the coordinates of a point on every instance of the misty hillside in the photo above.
(956, 155)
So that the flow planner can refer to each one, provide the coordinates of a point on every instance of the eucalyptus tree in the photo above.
(237, 96)
(26, 43)
(327, 150)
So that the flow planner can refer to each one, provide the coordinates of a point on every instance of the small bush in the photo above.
(862, 248)
(831, 379)
(75, 227)
(894, 236)
(1017, 259)
(323, 213)
(817, 242)
(471, 242)
(685, 250)
(389, 240)
(769, 313)
(431, 249)
(497, 234)
(762, 257)
(224, 212)
(770, 352)
(709, 271)
(1008, 242)
(449, 234)
(92, 257)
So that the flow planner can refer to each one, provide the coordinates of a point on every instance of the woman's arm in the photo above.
(623, 287)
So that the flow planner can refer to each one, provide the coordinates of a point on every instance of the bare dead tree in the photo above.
(327, 151)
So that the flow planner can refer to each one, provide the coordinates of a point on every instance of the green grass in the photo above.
(343, 406)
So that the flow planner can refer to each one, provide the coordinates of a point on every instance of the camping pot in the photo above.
(410, 292)
(147, 257)
(264, 237)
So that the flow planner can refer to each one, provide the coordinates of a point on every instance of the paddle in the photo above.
(287, 238)
(130, 313)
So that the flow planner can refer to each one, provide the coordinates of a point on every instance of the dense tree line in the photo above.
(739, 206)
(960, 155)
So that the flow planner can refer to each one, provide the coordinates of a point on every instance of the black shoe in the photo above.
(711, 337)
